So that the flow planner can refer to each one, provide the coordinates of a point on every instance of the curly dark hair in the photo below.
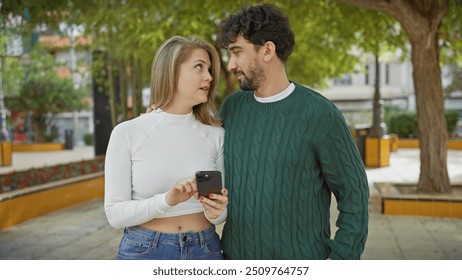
(260, 24)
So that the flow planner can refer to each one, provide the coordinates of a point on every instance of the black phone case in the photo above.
(208, 182)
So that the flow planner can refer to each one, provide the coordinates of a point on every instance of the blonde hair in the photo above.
(165, 74)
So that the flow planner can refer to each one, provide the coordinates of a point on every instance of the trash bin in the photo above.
(361, 133)
(68, 139)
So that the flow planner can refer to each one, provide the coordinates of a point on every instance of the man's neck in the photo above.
(268, 89)
(272, 86)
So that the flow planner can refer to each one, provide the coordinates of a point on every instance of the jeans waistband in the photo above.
(144, 233)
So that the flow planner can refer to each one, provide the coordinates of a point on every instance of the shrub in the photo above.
(50, 136)
(88, 139)
(390, 110)
(403, 123)
(451, 120)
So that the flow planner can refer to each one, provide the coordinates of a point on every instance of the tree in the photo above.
(422, 20)
(44, 94)
(131, 32)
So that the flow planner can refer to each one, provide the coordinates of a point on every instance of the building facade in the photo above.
(353, 93)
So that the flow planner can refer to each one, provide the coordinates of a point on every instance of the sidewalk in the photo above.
(82, 232)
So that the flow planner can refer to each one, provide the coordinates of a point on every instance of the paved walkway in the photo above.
(82, 232)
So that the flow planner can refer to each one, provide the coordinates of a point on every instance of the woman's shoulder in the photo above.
(211, 130)
(131, 126)
(216, 129)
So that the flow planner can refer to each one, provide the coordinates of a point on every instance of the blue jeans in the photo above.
(139, 243)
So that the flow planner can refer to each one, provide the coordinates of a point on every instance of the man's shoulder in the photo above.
(313, 99)
(311, 94)
(232, 101)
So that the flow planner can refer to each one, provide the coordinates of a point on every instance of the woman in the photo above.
(150, 189)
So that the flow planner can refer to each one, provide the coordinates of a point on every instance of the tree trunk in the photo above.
(123, 69)
(39, 128)
(111, 92)
(377, 129)
(430, 114)
(136, 88)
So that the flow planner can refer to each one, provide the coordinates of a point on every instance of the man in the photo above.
(287, 149)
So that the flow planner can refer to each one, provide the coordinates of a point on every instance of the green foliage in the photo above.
(456, 80)
(389, 110)
(403, 123)
(325, 31)
(135, 29)
(451, 120)
(12, 74)
(37, 11)
(51, 135)
(44, 94)
(88, 139)
(450, 35)
(11, 71)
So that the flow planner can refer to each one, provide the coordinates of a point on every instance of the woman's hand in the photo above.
(215, 203)
(181, 191)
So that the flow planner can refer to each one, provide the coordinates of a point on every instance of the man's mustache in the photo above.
(236, 72)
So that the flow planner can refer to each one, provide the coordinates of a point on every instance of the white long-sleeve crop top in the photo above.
(147, 155)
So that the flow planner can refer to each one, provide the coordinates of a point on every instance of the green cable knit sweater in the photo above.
(283, 160)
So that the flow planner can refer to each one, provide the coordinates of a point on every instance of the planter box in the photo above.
(455, 145)
(414, 143)
(377, 151)
(408, 143)
(403, 200)
(24, 204)
(6, 149)
(37, 147)
(394, 142)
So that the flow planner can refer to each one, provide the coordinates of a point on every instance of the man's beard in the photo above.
(253, 81)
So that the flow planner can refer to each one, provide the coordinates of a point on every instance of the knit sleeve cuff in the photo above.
(220, 219)
(335, 256)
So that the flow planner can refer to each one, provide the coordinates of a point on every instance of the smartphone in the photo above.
(208, 182)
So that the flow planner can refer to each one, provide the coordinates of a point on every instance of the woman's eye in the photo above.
(198, 66)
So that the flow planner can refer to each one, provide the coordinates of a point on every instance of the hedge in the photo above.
(404, 123)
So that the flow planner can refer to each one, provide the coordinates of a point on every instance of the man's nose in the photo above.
(231, 65)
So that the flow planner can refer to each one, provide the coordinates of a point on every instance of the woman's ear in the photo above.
(269, 51)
